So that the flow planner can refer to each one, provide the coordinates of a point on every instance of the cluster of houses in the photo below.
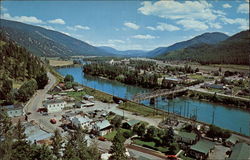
(201, 148)
(93, 122)
(56, 103)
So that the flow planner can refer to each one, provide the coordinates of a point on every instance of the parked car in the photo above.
(53, 121)
(101, 138)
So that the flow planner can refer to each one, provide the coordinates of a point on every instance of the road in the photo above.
(36, 102)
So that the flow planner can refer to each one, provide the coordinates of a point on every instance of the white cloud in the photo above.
(131, 25)
(243, 8)
(192, 24)
(164, 27)
(57, 21)
(215, 25)
(226, 5)
(78, 27)
(140, 36)
(171, 9)
(115, 41)
(243, 23)
(24, 19)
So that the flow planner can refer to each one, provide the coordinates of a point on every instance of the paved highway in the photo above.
(36, 102)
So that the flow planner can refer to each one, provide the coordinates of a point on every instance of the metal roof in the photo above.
(187, 135)
(12, 107)
(233, 139)
(52, 101)
(133, 122)
(240, 151)
(103, 124)
(203, 146)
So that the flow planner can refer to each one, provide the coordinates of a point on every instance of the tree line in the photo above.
(123, 74)
(17, 64)
(15, 146)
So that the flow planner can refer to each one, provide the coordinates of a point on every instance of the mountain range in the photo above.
(233, 50)
(206, 38)
(44, 42)
(214, 46)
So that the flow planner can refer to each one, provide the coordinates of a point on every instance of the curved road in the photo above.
(36, 102)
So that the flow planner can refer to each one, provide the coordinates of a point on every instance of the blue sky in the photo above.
(132, 24)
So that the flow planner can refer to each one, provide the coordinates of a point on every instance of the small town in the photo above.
(125, 80)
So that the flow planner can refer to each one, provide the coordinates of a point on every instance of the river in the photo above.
(226, 117)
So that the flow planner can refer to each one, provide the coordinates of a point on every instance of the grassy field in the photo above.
(110, 136)
(150, 145)
(59, 63)
(17, 84)
(138, 109)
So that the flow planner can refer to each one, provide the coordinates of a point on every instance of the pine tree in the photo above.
(118, 149)
(57, 142)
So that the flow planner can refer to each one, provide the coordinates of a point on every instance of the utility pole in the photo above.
(213, 118)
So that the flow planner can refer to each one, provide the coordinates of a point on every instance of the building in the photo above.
(186, 137)
(34, 133)
(88, 97)
(15, 110)
(54, 105)
(80, 121)
(78, 88)
(102, 127)
(241, 151)
(130, 124)
(231, 141)
(214, 86)
(201, 149)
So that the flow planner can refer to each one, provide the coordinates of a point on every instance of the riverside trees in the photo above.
(123, 74)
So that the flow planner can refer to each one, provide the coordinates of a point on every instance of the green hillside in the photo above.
(234, 50)
(19, 65)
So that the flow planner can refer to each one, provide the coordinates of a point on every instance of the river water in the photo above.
(229, 118)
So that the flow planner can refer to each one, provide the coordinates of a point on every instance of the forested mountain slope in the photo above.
(234, 50)
(44, 42)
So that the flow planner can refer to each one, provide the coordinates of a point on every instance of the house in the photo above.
(57, 89)
(201, 149)
(14, 110)
(88, 97)
(214, 86)
(84, 103)
(78, 88)
(102, 127)
(54, 105)
(80, 121)
(125, 61)
(186, 137)
(231, 141)
(241, 151)
(172, 80)
(34, 133)
(130, 124)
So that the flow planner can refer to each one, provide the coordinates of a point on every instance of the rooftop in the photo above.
(133, 122)
(187, 135)
(233, 139)
(52, 101)
(103, 124)
(203, 146)
(12, 107)
(240, 151)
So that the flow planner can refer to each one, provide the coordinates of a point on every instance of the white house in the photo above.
(54, 105)
(80, 121)
(102, 127)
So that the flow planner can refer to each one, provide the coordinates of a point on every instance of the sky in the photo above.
(132, 25)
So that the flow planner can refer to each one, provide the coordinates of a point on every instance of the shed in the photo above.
(240, 151)
(186, 137)
(130, 123)
(232, 140)
(201, 149)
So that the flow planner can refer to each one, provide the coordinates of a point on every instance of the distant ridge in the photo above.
(233, 50)
(44, 42)
(206, 38)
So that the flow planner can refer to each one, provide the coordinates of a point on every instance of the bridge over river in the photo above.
(158, 93)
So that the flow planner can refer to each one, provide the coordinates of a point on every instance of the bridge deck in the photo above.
(157, 93)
